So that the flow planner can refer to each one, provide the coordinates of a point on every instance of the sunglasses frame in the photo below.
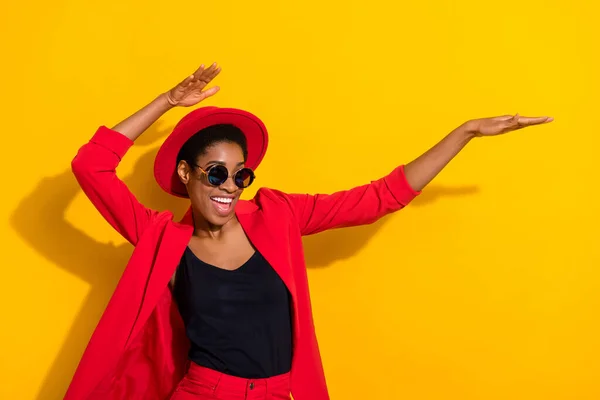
(207, 171)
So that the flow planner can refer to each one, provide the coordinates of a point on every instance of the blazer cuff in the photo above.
(112, 140)
(399, 186)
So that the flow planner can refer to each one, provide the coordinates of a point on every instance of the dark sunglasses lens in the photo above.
(244, 178)
(217, 175)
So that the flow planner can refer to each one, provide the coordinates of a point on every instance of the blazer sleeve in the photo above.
(94, 167)
(361, 205)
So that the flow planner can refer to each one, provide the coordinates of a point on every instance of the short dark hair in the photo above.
(208, 137)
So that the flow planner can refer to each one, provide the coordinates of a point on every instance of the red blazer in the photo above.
(139, 348)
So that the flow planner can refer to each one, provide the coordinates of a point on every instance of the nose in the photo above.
(229, 185)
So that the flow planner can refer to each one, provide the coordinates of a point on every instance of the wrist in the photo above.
(469, 129)
(165, 101)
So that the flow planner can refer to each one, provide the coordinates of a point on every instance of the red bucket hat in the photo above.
(165, 162)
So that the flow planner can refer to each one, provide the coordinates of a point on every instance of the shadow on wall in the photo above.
(43, 225)
(40, 221)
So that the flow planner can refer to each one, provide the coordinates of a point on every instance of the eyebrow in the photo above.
(215, 162)
(223, 163)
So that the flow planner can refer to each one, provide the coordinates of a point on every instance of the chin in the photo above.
(217, 220)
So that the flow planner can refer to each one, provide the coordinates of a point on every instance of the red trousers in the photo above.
(202, 383)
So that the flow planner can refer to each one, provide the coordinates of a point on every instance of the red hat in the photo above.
(165, 163)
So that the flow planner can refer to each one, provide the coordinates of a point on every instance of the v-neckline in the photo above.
(254, 254)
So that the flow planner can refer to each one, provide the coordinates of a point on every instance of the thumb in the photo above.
(210, 92)
(513, 120)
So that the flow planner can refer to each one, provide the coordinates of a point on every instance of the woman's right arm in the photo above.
(95, 164)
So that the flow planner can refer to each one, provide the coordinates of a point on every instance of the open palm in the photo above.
(191, 90)
(506, 123)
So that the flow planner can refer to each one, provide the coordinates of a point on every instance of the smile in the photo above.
(223, 200)
(223, 205)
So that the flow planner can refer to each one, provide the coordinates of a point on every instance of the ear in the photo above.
(184, 170)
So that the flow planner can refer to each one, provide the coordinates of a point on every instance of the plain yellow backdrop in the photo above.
(486, 287)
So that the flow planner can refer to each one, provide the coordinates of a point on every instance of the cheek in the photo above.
(201, 203)
(198, 190)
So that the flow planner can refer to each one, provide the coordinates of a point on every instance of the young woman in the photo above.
(217, 306)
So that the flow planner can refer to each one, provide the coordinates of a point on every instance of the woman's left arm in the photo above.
(423, 169)
(366, 204)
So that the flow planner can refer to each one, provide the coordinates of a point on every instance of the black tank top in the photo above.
(238, 322)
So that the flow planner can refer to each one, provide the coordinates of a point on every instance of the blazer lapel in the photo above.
(266, 241)
(174, 240)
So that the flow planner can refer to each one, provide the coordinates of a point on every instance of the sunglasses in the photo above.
(218, 175)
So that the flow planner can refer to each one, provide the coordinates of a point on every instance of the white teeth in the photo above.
(224, 200)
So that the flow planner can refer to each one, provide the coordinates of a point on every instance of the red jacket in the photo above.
(139, 348)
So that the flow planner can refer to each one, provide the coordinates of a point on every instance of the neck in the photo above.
(204, 229)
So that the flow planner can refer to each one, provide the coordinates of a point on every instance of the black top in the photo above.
(238, 322)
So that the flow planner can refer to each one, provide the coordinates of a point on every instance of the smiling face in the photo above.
(214, 148)
(216, 204)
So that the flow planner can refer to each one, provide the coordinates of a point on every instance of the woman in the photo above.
(217, 306)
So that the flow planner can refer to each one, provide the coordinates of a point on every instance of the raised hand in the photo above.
(424, 168)
(191, 90)
(500, 125)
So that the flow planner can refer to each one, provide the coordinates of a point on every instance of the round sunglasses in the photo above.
(218, 174)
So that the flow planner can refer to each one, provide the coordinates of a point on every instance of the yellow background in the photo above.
(486, 287)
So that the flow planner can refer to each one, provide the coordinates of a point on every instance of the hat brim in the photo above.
(165, 163)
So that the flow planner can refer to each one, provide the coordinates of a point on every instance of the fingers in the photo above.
(187, 81)
(526, 121)
(198, 72)
(502, 117)
(509, 122)
(210, 73)
(517, 122)
(206, 74)
(216, 72)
